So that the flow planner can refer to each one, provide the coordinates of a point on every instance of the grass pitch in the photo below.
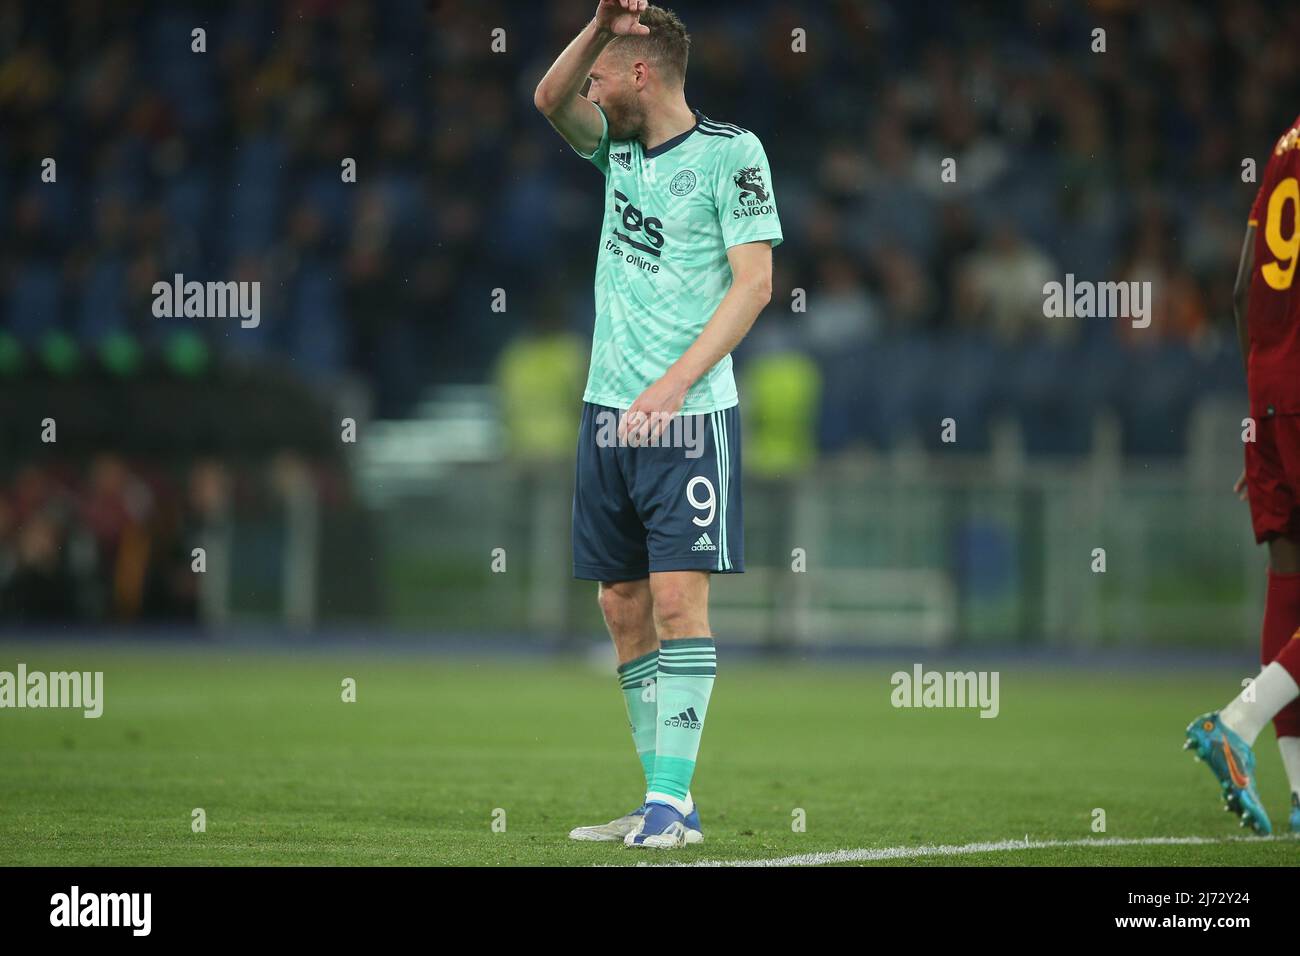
(433, 751)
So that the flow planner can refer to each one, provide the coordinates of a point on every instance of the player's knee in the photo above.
(678, 612)
(625, 608)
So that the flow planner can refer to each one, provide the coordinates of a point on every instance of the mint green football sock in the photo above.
(637, 678)
(687, 668)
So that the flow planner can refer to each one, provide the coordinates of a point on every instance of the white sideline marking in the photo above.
(1000, 846)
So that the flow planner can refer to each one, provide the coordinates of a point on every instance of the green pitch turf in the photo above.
(417, 769)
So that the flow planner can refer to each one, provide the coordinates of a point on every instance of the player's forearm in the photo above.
(1241, 294)
(730, 324)
(565, 79)
(1239, 307)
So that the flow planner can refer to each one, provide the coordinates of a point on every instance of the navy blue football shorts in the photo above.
(670, 506)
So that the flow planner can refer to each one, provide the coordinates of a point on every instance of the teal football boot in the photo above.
(1295, 813)
(1232, 762)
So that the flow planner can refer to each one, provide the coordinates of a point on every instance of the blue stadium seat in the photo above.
(1042, 395)
(1156, 400)
(897, 372)
(186, 198)
(332, 199)
(317, 331)
(844, 393)
(966, 373)
(189, 82)
(35, 301)
(101, 309)
(1223, 373)
(254, 197)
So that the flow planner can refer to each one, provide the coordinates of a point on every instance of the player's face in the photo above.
(613, 90)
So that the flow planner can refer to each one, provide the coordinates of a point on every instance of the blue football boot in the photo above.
(629, 822)
(1232, 762)
(664, 827)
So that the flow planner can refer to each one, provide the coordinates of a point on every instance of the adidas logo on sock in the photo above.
(704, 544)
(687, 718)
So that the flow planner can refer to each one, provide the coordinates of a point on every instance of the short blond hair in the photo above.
(668, 45)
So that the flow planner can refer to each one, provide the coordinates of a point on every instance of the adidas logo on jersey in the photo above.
(623, 159)
(687, 718)
(704, 544)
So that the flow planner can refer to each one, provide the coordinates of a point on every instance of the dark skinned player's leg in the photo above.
(1275, 687)
(1281, 625)
(1225, 739)
(1284, 555)
(1272, 695)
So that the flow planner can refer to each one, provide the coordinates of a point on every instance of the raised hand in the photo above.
(622, 17)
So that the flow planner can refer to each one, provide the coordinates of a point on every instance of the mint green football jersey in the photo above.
(661, 267)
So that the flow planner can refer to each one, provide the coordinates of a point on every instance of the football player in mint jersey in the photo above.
(683, 268)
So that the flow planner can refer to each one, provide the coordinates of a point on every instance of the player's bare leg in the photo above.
(628, 612)
(1284, 562)
(687, 666)
(1225, 739)
(681, 604)
(1284, 555)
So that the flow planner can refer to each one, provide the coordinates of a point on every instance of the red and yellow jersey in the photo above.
(1273, 311)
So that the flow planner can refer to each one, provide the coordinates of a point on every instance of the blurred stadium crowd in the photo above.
(924, 297)
(226, 165)
(112, 544)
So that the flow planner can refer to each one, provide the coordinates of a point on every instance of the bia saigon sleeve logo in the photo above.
(753, 193)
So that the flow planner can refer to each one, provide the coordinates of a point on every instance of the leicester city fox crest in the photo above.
(682, 183)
